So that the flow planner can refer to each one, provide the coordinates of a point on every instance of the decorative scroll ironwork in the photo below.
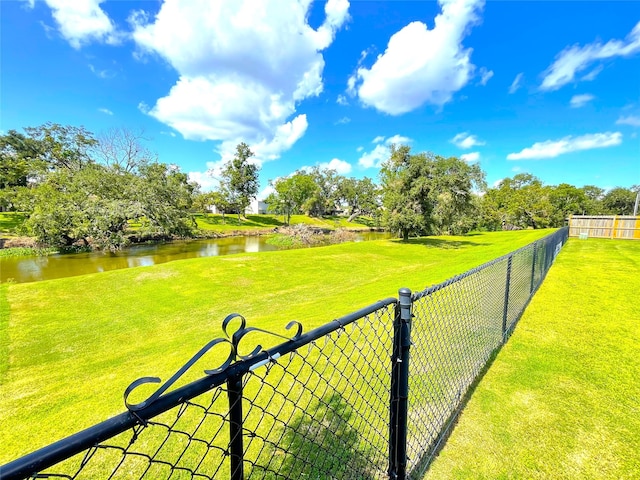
(233, 340)
(239, 334)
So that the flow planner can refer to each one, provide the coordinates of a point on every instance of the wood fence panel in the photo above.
(604, 226)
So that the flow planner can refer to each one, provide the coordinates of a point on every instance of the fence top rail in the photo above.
(434, 288)
(603, 217)
(155, 405)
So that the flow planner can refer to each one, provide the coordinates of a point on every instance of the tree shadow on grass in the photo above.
(322, 443)
(263, 220)
(440, 243)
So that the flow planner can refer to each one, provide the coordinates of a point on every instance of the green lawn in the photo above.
(215, 222)
(9, 222)
(71, 346)
(562, 398)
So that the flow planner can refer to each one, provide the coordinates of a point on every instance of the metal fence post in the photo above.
(533, 267)
(236, 447)
(505, 313)
(400, 387)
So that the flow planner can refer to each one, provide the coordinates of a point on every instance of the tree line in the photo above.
(79, 188)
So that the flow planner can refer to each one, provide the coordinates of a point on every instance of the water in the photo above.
(33, 269)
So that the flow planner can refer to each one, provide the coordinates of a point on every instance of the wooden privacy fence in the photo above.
(604, 226)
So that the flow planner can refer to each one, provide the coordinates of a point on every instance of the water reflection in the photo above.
(32, 269)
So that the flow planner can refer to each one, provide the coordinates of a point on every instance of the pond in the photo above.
(33, 269)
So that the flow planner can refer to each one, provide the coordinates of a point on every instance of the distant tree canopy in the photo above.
(103, 191)
(525, 202)
(79, 190)
(319, 192)
(424, 193)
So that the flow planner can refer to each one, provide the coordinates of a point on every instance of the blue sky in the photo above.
(550, 88)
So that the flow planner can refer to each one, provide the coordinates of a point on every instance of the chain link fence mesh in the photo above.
(318, 411)
(457, 326)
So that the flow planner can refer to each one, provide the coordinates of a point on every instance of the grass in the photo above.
(562, 398)
(215, 222)
(10, 221)
(71, 346)
(26, 252)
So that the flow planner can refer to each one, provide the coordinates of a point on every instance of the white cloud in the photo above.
(554, 148)
(592, 74)
(575, 59)
(629, 120)
(470, 157)
(464, 140)
(265, 192)
(578, 101)
(351, 84)
(104, 74)
(485, 75)
(374, 158)
(397, 139)
(359, 149)
(284, 137)
(243, 66)
(421, 66)
(143, 107)
(106, 111)
(516, 169)
(208, 180)
(515, 85)
(338, 165)
(380, 153)
(83, 21)
(343, 121)
(342, 100)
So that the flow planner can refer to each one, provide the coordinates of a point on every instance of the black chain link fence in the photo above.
(457, 327)
(343, 401)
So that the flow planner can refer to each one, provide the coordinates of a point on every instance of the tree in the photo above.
(91, 206)
(94, 205)
(202, 202)
(593, 201)
(166, 196)
(566, 200)
(20, 166)
(425, 193)
(405, 189)
(240, 179)
(324, 198)
(291, 194)
(63, 146)
(522, 201)
(619, 201)
(454, 181)
(360, 196)
(123, 149)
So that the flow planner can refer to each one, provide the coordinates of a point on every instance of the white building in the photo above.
(256, 207)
